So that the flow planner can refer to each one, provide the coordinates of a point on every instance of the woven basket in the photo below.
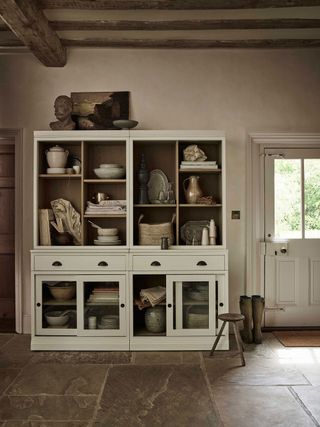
(150, 234)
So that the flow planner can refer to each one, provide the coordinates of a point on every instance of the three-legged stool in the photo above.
(233, 318)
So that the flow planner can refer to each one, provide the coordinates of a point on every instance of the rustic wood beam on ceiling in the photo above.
(173, 4)
(194, 24)
(193, 44)
(30, 25)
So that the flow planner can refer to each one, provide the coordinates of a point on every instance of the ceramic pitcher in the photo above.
(193, 192)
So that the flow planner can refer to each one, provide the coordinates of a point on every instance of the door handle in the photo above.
(57, 264)
(155, 264)
(103, 264)
(201, 263)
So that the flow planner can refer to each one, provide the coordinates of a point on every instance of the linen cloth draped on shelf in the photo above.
(151, 297)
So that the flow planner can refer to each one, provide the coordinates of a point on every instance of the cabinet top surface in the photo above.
(92, 134)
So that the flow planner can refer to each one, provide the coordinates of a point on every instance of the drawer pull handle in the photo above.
(57, 264)
(155, 264)
(103, 264)
(200, 263)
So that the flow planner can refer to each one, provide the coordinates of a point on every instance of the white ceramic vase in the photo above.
(57, 157)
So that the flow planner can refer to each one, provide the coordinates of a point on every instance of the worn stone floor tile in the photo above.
(35, 423)
(47, 408)
(4, 338)
(16, 352)
(75, 357)
(310, 396)
(258, 371)
(157, 357)
(6, 377)
(245, 406)
(156, 396)
(193, 357)
(59, 379)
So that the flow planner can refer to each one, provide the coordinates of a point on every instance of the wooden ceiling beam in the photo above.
(173, 4)
(188, 25)
(192, 44)
(30, 25)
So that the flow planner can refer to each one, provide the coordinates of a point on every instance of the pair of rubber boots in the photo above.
(252, 309)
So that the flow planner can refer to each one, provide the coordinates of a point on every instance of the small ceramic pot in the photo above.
(155, 319)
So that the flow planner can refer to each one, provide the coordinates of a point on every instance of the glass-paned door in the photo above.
(292, 236)
(190, 305)
(56, 305)
(102, 305)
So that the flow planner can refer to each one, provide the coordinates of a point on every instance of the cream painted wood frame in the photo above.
(256, 144)
(15, 137)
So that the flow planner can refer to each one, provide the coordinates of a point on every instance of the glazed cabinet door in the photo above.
(56, 310)
(102, 305)
(191, 305)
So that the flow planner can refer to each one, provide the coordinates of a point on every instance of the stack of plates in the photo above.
(198, 292)
(107, 241)
(198, 318)
(109, 322)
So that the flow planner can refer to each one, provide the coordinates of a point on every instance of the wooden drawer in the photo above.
(79, 262)
(178, 262)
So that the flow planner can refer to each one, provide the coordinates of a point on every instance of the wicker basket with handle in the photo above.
(150, 234)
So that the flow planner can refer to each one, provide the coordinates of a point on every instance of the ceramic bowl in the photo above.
(108, 238)
(107, 231)
(110, 165)
(63, 292)
(54, 318)
(125, 124)
(110, 173)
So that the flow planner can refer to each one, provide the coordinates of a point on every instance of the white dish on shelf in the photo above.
(56, 170)
(110, 173)
(107, 231)
(99, 243)
(108, 239)
(158, 182)
(110, 165)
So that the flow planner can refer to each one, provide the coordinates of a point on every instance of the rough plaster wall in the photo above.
(237, 91)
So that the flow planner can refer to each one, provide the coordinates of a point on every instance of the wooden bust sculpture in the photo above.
(63, 109)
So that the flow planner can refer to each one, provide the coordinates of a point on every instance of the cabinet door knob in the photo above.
(155, 264)
(38, 304)
(169, 305)
(56, 264)
(200, 263)
(103, 264)
(221, 304)
(122, 305)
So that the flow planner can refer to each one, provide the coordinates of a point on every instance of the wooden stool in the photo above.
(231, 318)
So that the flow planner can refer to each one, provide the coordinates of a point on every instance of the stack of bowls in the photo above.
(109, 322)
(107, 237)
(110, 171)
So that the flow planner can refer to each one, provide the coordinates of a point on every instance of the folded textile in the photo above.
(153, 295)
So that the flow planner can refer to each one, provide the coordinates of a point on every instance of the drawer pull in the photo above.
(103, 264)
(155, 264)
(57, 264)
(200, 263)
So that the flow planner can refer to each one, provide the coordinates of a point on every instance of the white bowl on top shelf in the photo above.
(110, 173)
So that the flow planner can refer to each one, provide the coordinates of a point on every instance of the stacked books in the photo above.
(107, 207)
(206, 164)
(104, 295)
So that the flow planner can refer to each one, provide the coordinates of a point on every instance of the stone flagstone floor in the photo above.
(279, 387)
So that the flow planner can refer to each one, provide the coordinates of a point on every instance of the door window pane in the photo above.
(287, 199)
(312, 198)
